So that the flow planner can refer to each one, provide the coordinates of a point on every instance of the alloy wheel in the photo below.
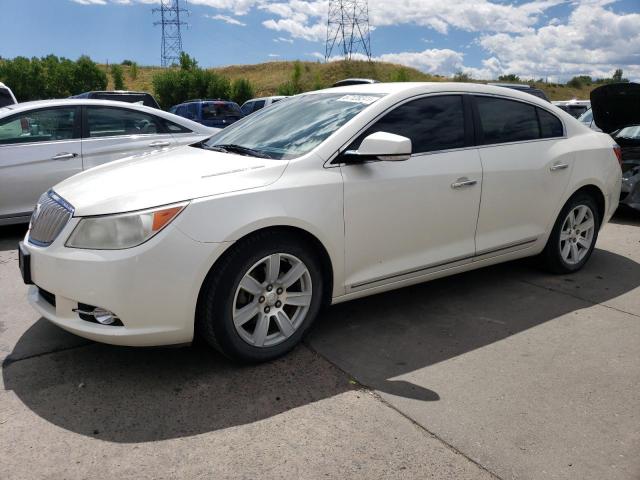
(576, 235)
(272, 300)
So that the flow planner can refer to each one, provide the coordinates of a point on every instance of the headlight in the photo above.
(126, 230)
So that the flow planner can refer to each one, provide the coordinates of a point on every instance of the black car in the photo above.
(523, 87)
(122, 96)
(616, 111)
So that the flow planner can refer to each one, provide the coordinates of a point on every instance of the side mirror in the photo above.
(380, 146)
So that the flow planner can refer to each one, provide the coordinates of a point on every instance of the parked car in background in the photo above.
(256, 104)
(575, 108)
(328, 196)
(6, 96)
(44, 142)
(354, 81)
(587, 120)
(523, 87)
(616, 110)
(142, 98)
(212, 113)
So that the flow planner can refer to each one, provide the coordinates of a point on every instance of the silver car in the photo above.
(44, 142)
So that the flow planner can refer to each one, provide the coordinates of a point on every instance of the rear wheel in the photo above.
(261, 299)
(574, 235)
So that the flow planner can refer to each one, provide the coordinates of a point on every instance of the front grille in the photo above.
(49, 218)
(48, 297)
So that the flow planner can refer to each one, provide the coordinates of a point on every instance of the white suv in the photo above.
(329, 196)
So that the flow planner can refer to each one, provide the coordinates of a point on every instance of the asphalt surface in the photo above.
(505, 372)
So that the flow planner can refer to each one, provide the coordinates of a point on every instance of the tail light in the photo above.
(618, 151)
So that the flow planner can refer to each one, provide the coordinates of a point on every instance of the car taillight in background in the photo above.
(618, 151)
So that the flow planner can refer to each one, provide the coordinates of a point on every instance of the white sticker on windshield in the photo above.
(364, 99)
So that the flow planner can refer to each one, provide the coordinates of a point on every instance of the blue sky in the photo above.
(538, 38)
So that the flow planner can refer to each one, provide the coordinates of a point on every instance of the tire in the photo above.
(222, 297)
(555, 256)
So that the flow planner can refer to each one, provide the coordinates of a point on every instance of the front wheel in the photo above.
(261, 299)
(574, 235)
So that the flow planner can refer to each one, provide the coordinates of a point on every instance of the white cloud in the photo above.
(593, 41)
(273, 55)
(90, 2)
(283, 40)
(227, 19)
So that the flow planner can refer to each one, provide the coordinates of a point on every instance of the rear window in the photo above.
(214, 110)
(506, 120)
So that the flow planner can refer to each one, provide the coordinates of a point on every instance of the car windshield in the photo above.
(212, 110)
(628, 133)
(295, 127)
(586, 117)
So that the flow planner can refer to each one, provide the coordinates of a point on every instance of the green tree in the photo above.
(88, 76)
(511, 77)
(187, 62)
(117, 75)
(617, 75)
(241, 90)
(575, 82)
(401, 75)
(461, 76)
(293, 86)
(133, 70)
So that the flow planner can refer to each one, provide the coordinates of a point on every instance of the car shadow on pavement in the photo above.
(134, 395)
(10, 235)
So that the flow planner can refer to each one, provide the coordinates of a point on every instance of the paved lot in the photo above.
(500, 373)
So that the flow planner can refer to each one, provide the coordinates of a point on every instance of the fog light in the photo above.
(105, 317)
(97, 315)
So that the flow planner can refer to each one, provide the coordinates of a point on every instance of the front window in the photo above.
(295, 127)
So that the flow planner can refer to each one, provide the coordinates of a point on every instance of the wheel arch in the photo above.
(304, 235)
(597, 194)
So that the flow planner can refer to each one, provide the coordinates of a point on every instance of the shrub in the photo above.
(117, 75)
(241, 90)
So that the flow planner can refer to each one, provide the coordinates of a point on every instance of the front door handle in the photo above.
(160, 144)
(558, 166)
(64, 156)
(463, 182)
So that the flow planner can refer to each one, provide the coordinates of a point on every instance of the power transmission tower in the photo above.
(348, 28)
(170, 13)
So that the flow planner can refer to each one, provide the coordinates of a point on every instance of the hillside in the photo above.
(266, 77)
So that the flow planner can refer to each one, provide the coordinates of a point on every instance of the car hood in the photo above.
(161, 178)
(616, 105)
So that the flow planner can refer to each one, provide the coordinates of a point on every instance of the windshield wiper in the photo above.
(233, 148)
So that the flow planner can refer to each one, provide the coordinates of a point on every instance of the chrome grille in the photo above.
(49, 218)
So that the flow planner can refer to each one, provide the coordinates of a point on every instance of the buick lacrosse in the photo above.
(323, 197)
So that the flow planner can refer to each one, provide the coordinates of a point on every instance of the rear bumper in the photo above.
(152, 288)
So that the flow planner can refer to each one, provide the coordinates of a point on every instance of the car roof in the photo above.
(62, 102)
(417, 88)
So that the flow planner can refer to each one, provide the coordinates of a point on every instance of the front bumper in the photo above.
(152, 288)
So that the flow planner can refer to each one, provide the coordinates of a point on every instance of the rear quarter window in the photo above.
(550, 125)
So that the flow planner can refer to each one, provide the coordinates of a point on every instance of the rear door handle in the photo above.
(159, 144)
(558, 166)
(463, 182)
(64, 156)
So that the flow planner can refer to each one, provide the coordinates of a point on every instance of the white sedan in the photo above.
(44, 142)
(329, 196)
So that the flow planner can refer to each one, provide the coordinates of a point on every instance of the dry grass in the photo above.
(266, 77)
